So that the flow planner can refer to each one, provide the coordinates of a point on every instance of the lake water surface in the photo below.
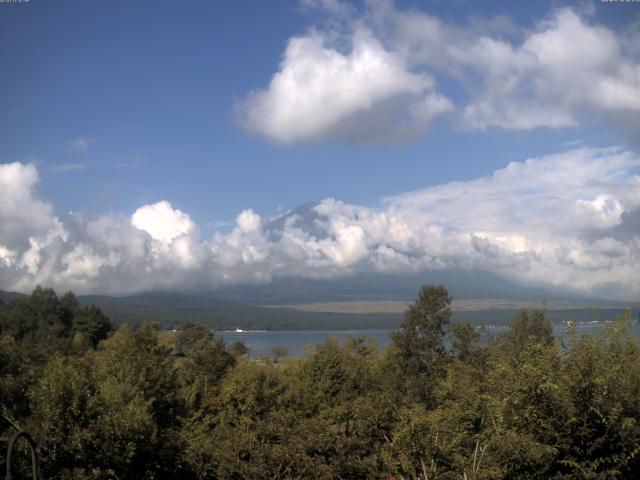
(261, 343)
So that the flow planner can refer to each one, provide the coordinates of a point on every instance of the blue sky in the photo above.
(153, 84)
(120, 104)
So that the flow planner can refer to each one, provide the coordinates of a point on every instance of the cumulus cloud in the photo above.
(565, 69)
(162, 222)
(376, 76)
(568, 220)
(366, 93)
(23, 214)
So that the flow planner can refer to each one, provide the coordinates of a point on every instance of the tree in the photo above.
(36, 317)
(246, 438)
(238, 349)
(466, 344)
(192, 334)
(419, 345)
(63, 410)
(92, 323)
(279, 352)
(136, 388)
(205, 364)
(601, 382)
(526, 329)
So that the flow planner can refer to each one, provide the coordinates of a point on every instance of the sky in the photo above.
(147, 145)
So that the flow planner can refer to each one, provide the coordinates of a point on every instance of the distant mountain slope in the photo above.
(305, 218)
(8, 296)
(462, 284)
(172, 308)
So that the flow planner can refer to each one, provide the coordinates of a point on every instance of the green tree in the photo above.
(36, 317)
(238, 349)
(330, 391)
(64, 408)
(467, 346)
(528, 328)
(601, 435)
(418, 345)
(247, 437)
(137, 390)
(205, 363)
(91, 323)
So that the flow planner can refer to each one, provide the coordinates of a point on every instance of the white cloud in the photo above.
(373, 77)
(7, 256)
(22, 214)
(246, 244)
(320, 91)
(563, 220)
(560, 72)
(80, 144)
(82, 264)
(162, 222)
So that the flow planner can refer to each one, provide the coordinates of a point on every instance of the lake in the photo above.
(260, 343)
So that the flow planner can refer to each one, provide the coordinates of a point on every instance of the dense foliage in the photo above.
(144, 403)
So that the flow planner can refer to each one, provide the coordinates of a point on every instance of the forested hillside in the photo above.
(145, 403)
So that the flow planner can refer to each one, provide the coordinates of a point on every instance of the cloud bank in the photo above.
(570, 220)
(377, 76)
